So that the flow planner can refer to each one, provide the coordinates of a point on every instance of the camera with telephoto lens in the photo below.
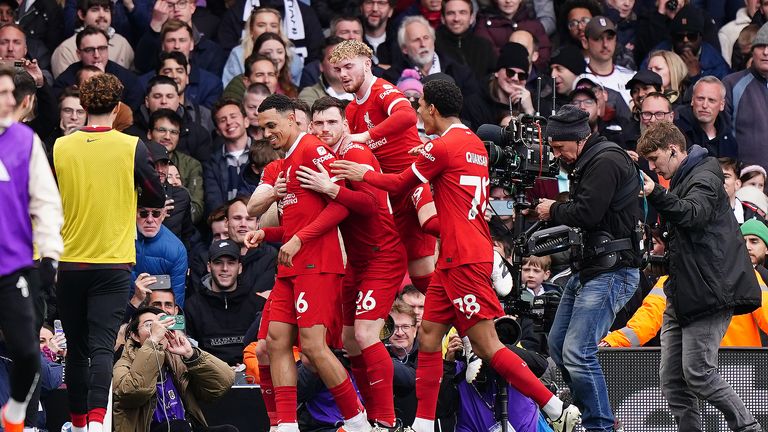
(671, 5)
(518, 153)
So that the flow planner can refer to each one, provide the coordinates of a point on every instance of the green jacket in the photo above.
(134, 384)
(191, 172)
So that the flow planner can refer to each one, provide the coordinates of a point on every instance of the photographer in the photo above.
(603, 204)
(158, 359)
(711, 276)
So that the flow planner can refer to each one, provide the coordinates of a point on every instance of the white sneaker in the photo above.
(474, 363)
(568, 420)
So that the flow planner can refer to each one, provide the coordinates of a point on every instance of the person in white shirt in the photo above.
(601, 46)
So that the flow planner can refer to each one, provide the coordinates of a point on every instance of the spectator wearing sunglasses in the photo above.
(686, 39)
(505, 90)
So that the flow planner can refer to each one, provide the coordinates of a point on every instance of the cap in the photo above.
(586, 81)
(761, 38)
(647, 77)
(513, 55)
(585, 91)
(157, 151)
(220, 248)
(570, 58)
(599, 25)
(410, 81)
(688, 19)
(569, 124)
(756, 228)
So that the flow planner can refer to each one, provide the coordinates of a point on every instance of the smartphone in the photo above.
(18, 64)
(502, 207)
(163, 283)
(178, 324)
(59, 329)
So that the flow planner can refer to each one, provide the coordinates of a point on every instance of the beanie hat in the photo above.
(570, 58)
(410, 81)
(761, 38)
(568, 124)
(513, 55)
(756, 228)
(688, 19)
(754, 196)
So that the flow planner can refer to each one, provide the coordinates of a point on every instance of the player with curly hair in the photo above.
(100, 171)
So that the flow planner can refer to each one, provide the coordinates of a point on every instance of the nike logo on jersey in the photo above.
(374, 382)
(91, 139)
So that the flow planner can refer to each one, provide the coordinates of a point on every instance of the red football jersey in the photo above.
(270, 173)
(302, 206)
(389, 146)
(364, 235)
(457, 166)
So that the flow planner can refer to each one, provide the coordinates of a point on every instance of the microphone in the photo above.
(491, 132)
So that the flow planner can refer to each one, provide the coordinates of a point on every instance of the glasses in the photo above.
(403, 328)
(70, 111)
(584, 102)
(691, 36)
(572, 24)
(145, 213)
(90, 50)
(647, 115)
(379, 3)
(178, 5)
(521, 76)
(163, 130)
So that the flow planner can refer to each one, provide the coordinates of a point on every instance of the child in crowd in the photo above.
(535, 273)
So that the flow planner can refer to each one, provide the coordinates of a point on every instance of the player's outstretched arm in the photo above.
(265, 195)
(394, 183)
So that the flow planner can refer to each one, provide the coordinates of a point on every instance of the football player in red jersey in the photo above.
(460, 293)
(376, 263)
(382, 118)
(305, 298)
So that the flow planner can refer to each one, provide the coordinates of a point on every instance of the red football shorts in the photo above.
(307, 300)
(264, 324)
(462, 296)
(370, 288)
(418, 244)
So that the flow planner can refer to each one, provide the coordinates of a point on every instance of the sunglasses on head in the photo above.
(691, 36)
(145, 213)
(521, 76)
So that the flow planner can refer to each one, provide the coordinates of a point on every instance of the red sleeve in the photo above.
(362, 202)
(270, 173)
(401, 118)
(394, 183)
(432, 160)
(432, 226)
(273, 234)
(328, 219)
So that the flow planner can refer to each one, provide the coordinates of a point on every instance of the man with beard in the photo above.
(601, 46)
(416, 39)
(381, 117)
(219, 316)
(379, 34)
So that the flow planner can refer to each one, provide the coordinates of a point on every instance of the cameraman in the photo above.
(603, 204)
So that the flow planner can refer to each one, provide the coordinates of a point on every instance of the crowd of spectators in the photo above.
(196, 71)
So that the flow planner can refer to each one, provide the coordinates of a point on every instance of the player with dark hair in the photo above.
(460, 294)
(381, 117)
(305, 298)
(375, 262)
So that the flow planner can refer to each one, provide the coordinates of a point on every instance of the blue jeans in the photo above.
(583, 318)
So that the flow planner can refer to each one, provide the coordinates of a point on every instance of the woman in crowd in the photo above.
(262, 20)
(753, 175)
(674, 75)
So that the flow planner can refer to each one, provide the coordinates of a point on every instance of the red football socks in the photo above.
(268, 393)
(380, 374)
(346, 399)
(360, 373)
(516, 373)
(421, 282)
(285, 404)
(429, 374)
(79, 420)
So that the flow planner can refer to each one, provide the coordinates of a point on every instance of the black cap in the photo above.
(571, 58)
(220, 248)
(688, 20)
(513, 55)
(157, 151)
(647, 77)
(585, 91)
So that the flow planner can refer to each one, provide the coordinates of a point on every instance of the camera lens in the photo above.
(671, 5)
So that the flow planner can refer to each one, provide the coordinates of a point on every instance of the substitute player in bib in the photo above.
(381, 117)
(376, 262)
(460, 293)
(305, 298)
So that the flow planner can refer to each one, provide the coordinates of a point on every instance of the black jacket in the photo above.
(133, 95)
(44, 21)
(468, 49)
(723, 145)
(218, 321)
(194, 139)
(653, 28)
(180, 219)
(259, 268)
(709, 267)
(589, 206)
(207, 54)
(463, 75)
